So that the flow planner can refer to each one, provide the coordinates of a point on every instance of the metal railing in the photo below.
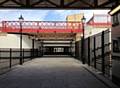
(97, 52)
(10, 57)
(42, 25)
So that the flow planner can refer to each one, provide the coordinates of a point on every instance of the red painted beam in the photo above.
(100, 24)
(60, 31)
(42, 30)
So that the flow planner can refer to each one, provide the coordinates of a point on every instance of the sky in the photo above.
(45, 15)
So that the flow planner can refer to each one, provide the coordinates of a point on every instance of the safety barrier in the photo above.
(11, 57)
(98, 52)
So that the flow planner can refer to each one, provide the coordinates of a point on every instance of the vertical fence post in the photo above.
(37, 52)
(75, 50)
(23, 55)
(71, 49)
(10, 58)
(81, 49)
(89, 51)
(33, 48)
(42, 48)
(0, 53)
(102, 52)
(31, 56)
(94, 52)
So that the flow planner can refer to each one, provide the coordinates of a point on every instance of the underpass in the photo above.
(52, 54)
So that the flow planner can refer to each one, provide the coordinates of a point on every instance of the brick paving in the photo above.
(50, 72)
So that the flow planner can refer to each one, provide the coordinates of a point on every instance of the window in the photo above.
(116, 47)
(115, 19)
(119, 18)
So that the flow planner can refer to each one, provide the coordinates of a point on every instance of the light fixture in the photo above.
(114, 10)
(83, 19)
(36, 38)
(21, 18)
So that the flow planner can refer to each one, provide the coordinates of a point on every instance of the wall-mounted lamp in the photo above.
(116, 9)
(36, 38)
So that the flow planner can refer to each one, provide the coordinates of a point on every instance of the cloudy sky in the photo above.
(45, 15)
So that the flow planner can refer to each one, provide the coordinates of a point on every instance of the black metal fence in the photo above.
(98, 51)
(11, 57)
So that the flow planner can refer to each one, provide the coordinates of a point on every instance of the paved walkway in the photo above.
(50, 73)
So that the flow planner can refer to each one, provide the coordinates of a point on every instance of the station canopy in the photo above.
(59, 4)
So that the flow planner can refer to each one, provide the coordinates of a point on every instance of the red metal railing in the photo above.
(54, 26)
(41, 26)
(100, 20)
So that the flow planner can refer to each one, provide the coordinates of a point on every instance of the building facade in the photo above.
(116, 47)
(76, 44)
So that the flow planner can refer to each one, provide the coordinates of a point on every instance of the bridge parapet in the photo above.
(34, 26)
(43, 24)
(100, 20)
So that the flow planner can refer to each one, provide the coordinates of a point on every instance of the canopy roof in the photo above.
(59, 4)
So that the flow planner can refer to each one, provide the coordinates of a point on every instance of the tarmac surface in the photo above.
(51, 72)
